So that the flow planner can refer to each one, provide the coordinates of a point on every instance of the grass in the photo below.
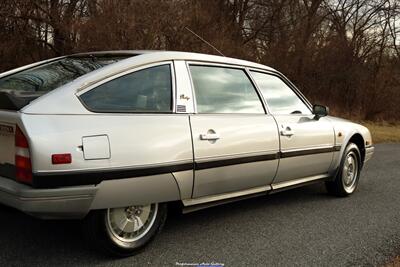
(383, 132)
(394, 263)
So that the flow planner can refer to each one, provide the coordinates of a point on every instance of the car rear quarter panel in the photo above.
(136, 141)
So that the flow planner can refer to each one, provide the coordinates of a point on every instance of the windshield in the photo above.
(19, 89)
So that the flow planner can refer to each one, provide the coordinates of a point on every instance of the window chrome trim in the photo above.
(192, 87)
(127, 72)
(229, 66)
(173, 86)
(183, 88)
(263, 101)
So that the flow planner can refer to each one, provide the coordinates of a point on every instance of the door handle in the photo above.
(209, 136)
(287, 131)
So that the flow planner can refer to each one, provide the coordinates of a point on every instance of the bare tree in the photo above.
(344, 53)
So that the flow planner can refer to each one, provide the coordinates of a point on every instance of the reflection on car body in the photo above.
(114, 137)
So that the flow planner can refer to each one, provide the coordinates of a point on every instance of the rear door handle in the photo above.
(287, 131)
(209, 136)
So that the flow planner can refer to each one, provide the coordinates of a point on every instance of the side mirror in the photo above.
(320, 111)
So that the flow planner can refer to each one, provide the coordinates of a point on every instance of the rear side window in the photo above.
(147, 90)
(224, 90)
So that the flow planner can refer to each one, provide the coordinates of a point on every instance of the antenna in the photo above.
(192, 32)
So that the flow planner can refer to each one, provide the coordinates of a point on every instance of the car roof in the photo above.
(143, 57)
(62, 100)
(113, 53)
(174, 55)
(135, 57)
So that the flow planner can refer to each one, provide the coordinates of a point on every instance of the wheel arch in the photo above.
(139, 190)
(336, 185)
(359, 141)
(353, 137)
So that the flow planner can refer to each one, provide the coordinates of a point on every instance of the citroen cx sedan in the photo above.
(115, 137)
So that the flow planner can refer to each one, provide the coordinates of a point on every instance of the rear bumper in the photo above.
(59, 203)
(369, 151)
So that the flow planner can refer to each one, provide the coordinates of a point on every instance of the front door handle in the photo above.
(287, 131)
(209, 136)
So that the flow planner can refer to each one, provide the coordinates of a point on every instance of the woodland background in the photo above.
(341, 53)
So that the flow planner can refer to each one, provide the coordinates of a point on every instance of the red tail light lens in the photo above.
(22, 158)
(23, 175)
(23, 162)
(20, 139)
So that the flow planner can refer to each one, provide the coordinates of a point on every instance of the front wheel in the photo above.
(346, 180)
(125, 231)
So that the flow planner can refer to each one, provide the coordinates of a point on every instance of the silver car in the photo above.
(116, 137)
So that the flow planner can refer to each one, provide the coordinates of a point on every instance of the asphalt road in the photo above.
(304, 227)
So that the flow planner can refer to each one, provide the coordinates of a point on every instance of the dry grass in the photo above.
(384, 132)
(394, 263)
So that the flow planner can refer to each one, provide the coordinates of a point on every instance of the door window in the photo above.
(224, 90)
(281, 99)
(147, 90)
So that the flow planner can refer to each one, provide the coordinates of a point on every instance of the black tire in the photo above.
(341, 185)
(98, 233)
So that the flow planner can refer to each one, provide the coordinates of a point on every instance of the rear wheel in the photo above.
(125, 231)
(347, 178)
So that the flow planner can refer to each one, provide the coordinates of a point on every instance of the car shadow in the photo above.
(289, 198)
(45, 241)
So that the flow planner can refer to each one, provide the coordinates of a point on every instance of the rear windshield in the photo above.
(17, 90)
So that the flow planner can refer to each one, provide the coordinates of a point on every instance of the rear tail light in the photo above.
(22, 158)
